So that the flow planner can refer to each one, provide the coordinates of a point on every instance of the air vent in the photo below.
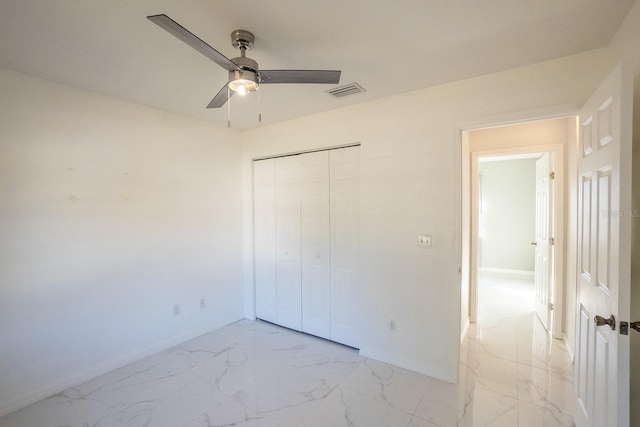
(346, 90)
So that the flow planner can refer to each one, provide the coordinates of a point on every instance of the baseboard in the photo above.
(411, 366)
(465, 329)
(27, 399)
(505, 272)
(570, 349)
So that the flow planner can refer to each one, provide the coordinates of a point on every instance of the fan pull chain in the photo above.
(228, 107)
(259, 106)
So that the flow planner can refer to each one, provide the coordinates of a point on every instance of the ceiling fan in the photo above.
(244, 73)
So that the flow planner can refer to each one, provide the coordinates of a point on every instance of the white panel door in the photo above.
(264, 191)
(542, 243)
(316, 244)
(288, 268)
(345, 184)
(602, 355)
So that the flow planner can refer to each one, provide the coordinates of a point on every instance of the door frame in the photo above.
(468, 308)
(556, 153)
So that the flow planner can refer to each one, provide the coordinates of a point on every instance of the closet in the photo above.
(306, 242)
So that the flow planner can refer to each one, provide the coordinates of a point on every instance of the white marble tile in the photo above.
(419, 422)
(495, 374)
(542, 351)
(497, 344)
(59, 411)
(450, 407)
(445, 404)
(546, 389)
(256, 374)
(487, 408)
(530, 415)
(344, 407)
(400, 388)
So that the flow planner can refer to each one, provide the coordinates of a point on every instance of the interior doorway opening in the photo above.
(521, 141)
(507, 247)
(514, 228)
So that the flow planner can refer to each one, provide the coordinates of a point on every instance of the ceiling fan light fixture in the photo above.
(244, 74)
(243, 81)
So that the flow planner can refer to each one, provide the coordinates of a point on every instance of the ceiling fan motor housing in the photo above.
(248, 70)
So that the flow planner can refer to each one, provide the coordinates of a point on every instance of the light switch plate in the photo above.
(424, 241)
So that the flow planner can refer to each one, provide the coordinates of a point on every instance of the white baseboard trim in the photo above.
(507, 272)
(465, 329)
(415, 367)
(569, 346)
(27, 399)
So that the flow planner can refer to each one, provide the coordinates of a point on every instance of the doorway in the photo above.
(515, 233)
(520, 141)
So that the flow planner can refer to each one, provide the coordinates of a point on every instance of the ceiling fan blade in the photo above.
(171, 26)
(221, 98)
(300, 76)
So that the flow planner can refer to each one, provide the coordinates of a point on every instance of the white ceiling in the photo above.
(388, 47)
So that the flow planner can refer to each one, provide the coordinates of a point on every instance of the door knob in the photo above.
(600, 321)
(534, 243)
(624, 327)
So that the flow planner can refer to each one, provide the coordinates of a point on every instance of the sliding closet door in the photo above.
(288, 256)
(316, 244)
(264, 190)
(344, 184)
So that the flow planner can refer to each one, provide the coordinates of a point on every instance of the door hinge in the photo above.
(552, 175)
(552, 241)
(550, 306)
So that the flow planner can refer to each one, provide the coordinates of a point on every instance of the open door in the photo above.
(543, 242)
(604, 254)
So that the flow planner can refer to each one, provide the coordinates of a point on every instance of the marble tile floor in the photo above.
(260, 375)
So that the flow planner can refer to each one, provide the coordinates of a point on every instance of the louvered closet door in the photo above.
(316, 246)
(264, 180)
(288, 256)
(344, 184)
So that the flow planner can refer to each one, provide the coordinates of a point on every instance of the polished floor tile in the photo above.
(255, 374)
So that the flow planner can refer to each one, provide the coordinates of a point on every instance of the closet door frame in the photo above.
(264, 232)
(298, 282)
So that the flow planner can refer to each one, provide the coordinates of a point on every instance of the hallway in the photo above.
(515, 372)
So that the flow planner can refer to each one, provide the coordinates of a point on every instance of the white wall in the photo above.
(110, 213)
(410, 163)
(508, 200)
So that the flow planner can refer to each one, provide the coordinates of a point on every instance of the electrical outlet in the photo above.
(203, 303)
(176, 310)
